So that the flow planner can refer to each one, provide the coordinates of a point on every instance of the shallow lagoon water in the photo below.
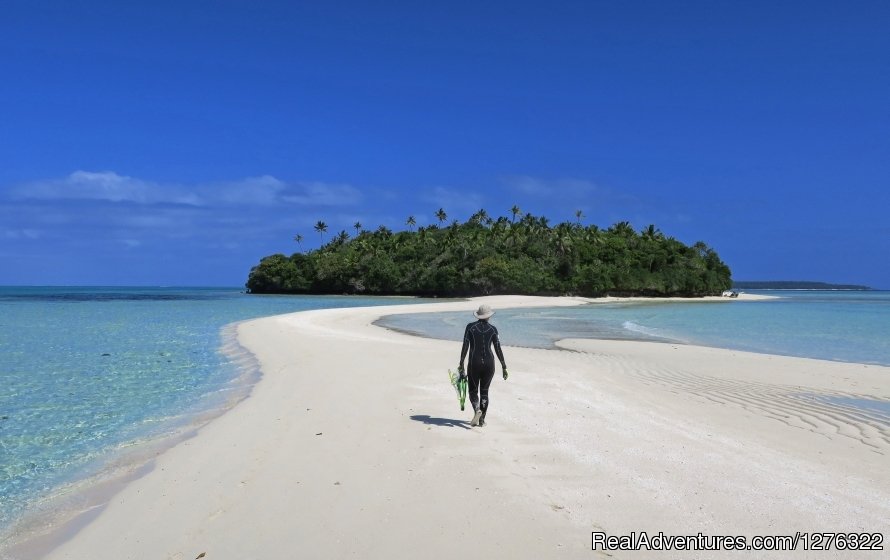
(88, 372)
(829, 325)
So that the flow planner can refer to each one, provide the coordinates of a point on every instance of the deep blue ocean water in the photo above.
(831, 325)
(88, 372)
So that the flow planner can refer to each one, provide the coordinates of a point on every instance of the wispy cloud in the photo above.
(260, 191)
(268, 190)
(105, 186)
(25, 233)
(322, 194)
(265, 190)
(108, 212)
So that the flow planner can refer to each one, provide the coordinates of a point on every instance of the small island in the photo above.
(485, 256)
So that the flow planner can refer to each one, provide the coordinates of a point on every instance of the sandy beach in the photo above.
(352, 445)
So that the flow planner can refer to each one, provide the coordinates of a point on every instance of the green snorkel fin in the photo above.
(460, 387)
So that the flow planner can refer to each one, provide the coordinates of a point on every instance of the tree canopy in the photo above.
(497, 256)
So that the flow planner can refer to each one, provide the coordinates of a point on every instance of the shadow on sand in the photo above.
(446, 422)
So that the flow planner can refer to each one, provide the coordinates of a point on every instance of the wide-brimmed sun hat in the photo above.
(484, 312)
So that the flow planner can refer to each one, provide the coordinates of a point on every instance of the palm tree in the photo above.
(358, 228)
(623, 229)
(321, 228)
(579, 215)
(651, 232)
(299, 239)
(562, 234)
(480, 217)
(498, 228)
(441, 216)
(593, 234)
(411, 222)
(528, 220)
(515, 211)
(701, 249)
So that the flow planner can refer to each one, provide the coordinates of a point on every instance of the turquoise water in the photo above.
(88, 371)
(830, 325)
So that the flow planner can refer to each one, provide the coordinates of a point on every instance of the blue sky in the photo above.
(175, 143)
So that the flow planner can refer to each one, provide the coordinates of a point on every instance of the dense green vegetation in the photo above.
(794, 285)
(518, 255)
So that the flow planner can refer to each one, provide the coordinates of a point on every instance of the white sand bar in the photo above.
(353, 446)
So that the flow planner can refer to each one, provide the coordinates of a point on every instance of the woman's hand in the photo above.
(505, 374)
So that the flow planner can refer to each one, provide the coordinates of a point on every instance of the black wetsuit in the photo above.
(479, 337)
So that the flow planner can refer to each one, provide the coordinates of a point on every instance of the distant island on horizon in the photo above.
(795, 285)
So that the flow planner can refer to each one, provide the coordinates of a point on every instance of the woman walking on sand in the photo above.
(479, 337)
